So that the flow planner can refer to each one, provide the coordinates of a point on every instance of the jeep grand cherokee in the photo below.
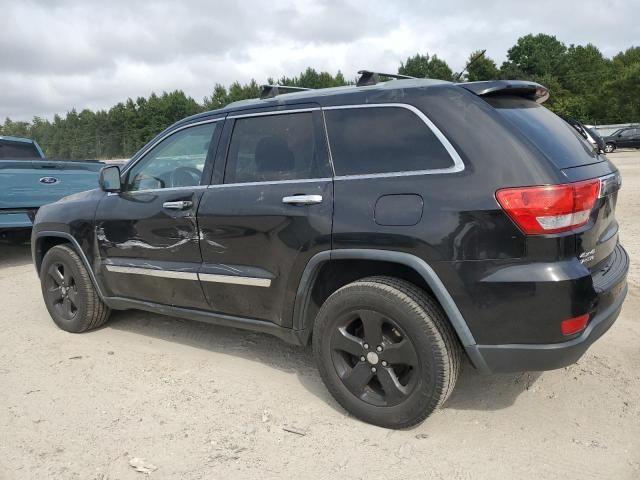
(397, 226)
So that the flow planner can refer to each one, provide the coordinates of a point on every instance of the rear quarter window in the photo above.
(554, 137)
(376, 140)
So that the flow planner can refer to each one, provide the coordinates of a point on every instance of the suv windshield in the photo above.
(555, 138)
(18, 151)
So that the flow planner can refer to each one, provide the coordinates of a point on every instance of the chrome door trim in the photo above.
(203, 277)
(235, 279)
(151, 272)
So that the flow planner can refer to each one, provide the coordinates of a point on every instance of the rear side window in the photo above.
(18, 151)
(274, 147)
(382, 140)
(555, 138)
(630, 132)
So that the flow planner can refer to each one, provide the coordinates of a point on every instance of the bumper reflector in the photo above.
(574, 325)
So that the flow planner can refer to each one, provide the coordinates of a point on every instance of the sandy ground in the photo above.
(197, 401)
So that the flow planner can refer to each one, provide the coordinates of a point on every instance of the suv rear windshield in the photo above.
(18, 151)
(554, 137)
(382, 140)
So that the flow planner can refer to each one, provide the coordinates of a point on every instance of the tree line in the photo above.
(583, 83)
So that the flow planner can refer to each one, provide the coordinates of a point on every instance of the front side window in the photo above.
(382, 140)
(274, 147)
(177, 161)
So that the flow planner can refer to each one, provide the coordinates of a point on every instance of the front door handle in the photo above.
(302, 199)
(181, 205)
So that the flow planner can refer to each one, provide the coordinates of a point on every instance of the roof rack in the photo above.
(270, 91)
(371, 78)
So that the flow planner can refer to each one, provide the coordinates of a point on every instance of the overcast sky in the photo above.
(61, 54)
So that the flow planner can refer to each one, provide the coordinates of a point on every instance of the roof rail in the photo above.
(270, 91)
(368, 77)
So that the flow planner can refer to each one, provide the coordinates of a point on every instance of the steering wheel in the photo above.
(185, 177)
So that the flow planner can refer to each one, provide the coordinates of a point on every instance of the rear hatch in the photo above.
(27, 184)
(578, 161)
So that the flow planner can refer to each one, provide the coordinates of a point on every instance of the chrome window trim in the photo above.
(274, 112)
(270, 182)
(151, 272)
(168, 134)
(156, 190)
(411, 173)
(235, 280)
(458, 164)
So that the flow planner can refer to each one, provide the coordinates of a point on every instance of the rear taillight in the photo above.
(574, 325)
(550, 208)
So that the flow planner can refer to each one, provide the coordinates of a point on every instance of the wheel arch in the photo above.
(305, 311)
(46, 240)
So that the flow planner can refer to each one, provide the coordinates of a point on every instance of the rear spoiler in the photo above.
(520, 88)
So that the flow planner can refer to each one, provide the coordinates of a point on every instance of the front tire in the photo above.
(609, 147)
(386, 351)
(69, 294)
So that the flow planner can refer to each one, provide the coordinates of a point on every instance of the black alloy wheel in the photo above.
(61, 290)
(374, 358)
(69, 294)
(386, 351)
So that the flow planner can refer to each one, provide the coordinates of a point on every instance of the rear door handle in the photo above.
(181, 205)
(302, 199)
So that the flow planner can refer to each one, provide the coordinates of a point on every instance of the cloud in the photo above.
(61, 54)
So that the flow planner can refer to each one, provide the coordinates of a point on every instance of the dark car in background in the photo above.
(397, 226)
(628, 137)
(587, 133)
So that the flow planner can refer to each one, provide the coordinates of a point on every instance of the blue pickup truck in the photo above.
(28, 180)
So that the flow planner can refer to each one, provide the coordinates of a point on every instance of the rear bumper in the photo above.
(536, 357)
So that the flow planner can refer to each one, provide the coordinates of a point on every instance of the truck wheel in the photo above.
(69, 295)
(609, 147)
(386, 351)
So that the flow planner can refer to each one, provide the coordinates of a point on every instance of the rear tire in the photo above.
(69, 294)
(386, 351)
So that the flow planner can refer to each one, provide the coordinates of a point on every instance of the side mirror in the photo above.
(619, 135)
(109, 179)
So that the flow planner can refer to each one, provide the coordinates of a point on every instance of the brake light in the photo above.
(550, 208)
(574, 325)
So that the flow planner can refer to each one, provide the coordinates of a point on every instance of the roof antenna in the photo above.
(469, 63)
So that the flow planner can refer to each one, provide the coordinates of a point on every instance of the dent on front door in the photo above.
(150, 252)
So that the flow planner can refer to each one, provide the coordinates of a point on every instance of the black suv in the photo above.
(623, 138)
(398, 226)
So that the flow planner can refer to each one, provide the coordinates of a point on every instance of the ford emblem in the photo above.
(49, 180)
